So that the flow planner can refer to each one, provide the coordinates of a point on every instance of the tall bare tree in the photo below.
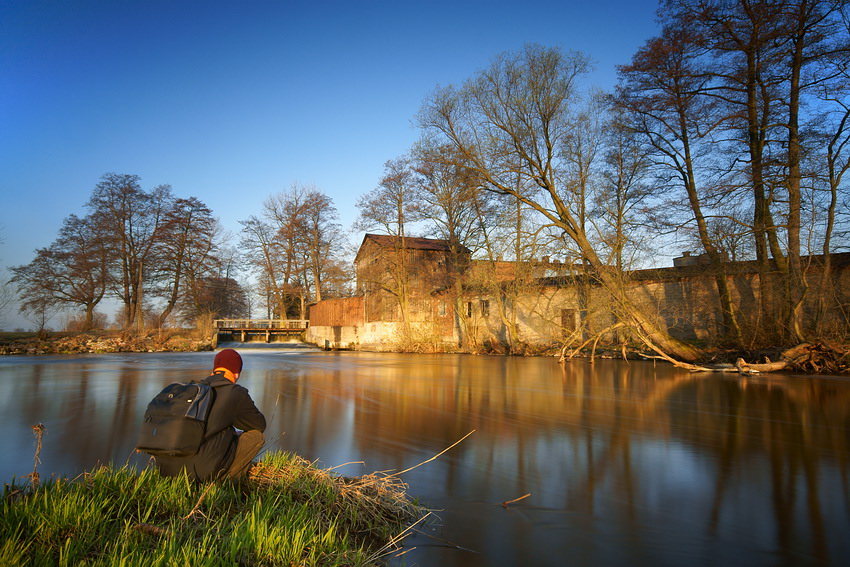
(833, 162)
(72, 271)
(513, 119)
(132, 220)
(320, 236)
(259, 241)
(185, 254)
(815, 43)
(624, 189)
(391, 208)
(295, 244)
(453, 204)
(764, 61)
(662, 94)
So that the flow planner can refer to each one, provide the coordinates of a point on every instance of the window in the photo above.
(485, 307)
(441, 309)
(469, 309)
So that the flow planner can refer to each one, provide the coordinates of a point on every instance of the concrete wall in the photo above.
(376, 335)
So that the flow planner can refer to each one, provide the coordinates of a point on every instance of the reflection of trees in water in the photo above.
(580, 432)
(582, 438)
(76, 431)
(795, 426)
(798, 425)
(305, 406)
(125, 419)
(97, 420)
(35, 399)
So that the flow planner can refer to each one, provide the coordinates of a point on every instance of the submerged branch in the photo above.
(523, 497)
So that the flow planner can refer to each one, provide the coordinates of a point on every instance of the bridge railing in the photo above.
(261, 323)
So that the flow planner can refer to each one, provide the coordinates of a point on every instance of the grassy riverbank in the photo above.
(288, 512)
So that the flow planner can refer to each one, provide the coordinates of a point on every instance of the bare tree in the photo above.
(73, 270)
(39, 308)
(215, 297)
(833, 161)
(662, 94)
(286, 211)
(294, 245)
(453, 204)
(6, 298)
(814, 57)
(764, 61)
(259, 240)
(132, 219)
(390, 208)
(513, 119)
(186, 250)
(320, 235)
(624, 190)
(6, 294)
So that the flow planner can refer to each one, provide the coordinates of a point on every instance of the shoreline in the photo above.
(815, 358)
(103, 342)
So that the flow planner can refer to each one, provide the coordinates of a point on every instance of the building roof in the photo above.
(410, 242)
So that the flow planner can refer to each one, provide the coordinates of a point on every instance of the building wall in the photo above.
(687, 307)
(347, 311)
(377, 335)
(683, 300)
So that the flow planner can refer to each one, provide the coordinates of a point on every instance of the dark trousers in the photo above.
(250, 443)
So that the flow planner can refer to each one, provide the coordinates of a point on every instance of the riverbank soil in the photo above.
(164, 340)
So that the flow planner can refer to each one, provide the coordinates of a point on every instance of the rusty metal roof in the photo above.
(411, 242)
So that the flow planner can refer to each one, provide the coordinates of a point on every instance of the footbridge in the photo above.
(255, 330)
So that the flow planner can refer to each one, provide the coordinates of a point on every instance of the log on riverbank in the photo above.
(808, 358)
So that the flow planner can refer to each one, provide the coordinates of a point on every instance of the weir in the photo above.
(259, 330)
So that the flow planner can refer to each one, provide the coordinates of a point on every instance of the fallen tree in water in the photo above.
(808, 358)
(818, 358)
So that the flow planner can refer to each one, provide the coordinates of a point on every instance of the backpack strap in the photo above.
(205, 405)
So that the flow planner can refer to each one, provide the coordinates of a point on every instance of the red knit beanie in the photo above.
(230, 359)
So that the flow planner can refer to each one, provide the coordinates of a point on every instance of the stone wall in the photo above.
(683, 300)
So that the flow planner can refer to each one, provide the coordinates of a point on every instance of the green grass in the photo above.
(288, 512)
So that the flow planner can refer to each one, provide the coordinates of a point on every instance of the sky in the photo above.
(234, 101)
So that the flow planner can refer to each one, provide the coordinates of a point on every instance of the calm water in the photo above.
(627, 464)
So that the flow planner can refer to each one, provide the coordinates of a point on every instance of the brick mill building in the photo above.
(426, 291)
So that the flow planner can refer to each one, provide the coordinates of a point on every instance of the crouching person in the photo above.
(223, 453)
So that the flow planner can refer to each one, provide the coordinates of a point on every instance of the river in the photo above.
(626, 463)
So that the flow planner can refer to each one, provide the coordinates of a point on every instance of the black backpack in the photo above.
(175, 420)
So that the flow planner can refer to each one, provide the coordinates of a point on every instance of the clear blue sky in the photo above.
(233, 101)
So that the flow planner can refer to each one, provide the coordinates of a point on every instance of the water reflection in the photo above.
(625, 463)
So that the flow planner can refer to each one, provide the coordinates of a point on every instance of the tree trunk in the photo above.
(628, 313)
(796, 282)
(730, 321)
(89, 324)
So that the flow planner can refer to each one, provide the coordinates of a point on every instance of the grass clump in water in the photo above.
(287, 512)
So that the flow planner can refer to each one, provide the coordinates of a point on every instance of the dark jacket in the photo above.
(233, 408)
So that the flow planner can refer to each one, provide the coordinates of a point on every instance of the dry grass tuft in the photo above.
(359, 504)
